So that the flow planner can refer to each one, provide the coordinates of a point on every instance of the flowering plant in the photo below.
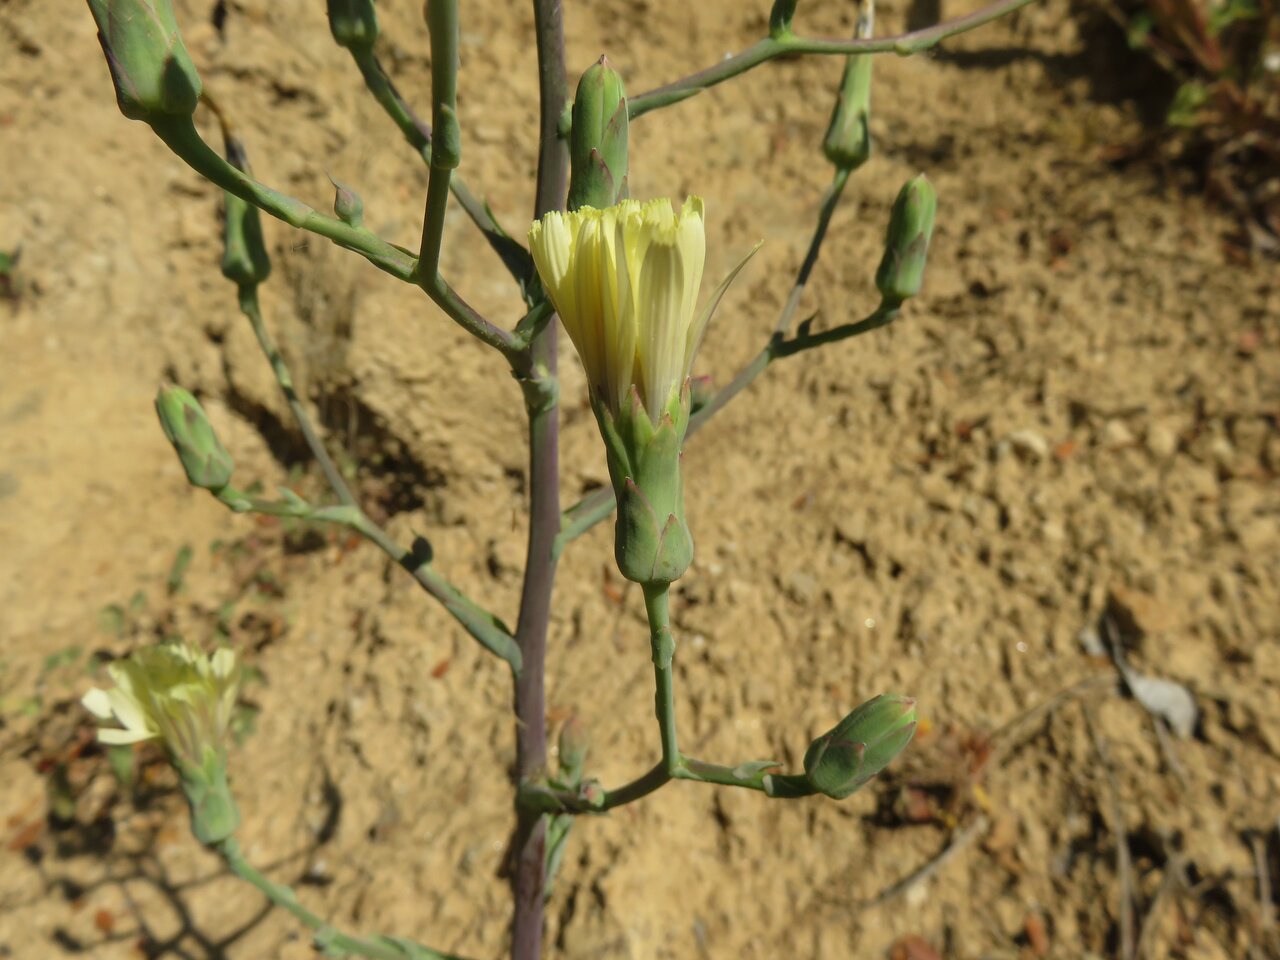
(624, 278)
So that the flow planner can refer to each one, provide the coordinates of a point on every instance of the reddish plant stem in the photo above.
(529, 848)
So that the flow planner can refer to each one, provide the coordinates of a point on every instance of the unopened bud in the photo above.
(907, 241)
(860, 746)
(598, 140)
(353, 23)
(244, 251)
(152, 71)
(848, 140)
(204, 458)
(780, 18)
(347, 204)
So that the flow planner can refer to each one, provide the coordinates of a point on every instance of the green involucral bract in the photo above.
(214, 815)
(204, 458)
(598, 140)
(861, 745)
(906, 244)
(152, 71)
(652, 542)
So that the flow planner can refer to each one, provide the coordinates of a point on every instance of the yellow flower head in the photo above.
(625, 282)
(173, 692)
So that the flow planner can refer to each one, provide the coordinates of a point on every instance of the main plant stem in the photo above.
(529, 849)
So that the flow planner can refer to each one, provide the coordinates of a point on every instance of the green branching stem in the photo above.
(250, 307)
(789, 44)
(332, 941)
(483, 626)
(827, 209)
(418, 135)
(754, 775)
(181, 136)
(446, 144)
(491, 632)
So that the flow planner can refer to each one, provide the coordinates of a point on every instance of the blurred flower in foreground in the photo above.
(176, 693)
(625, 282)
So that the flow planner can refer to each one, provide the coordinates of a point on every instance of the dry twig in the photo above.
(1124, 863)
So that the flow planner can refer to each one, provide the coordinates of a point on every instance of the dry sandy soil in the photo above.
(1070, 437)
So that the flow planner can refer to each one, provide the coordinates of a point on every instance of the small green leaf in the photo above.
(61, 796)
(120, 759)
(111, 619)
(1232, 11)
(1140, 27)
(178, 572)
(61, 658)
(244, 722)
(1185, 109)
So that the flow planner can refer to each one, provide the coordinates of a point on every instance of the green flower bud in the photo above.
(906, 243)
(204, 458)
(150, 66)
(780, 18)
(353, 23)
(598, 140)
(244, 251)
(861, 745)
(347, 204)
(573, 743)
(848, 140)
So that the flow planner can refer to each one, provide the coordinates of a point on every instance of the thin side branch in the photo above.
(787, 44)
(417, 134)
(446, 147)
(249, 306)
(487, 629)
(181, 136)
(334, 942)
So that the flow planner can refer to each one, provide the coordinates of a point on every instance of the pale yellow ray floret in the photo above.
(172, 692)
(625, 282)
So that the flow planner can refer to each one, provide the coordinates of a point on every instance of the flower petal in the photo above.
(116, 737)
(98, 703)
